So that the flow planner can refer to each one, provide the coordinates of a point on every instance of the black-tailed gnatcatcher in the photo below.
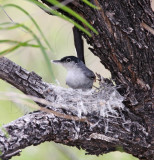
(78, 76)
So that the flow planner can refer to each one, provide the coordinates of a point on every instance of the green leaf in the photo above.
(32, 19)
(25, 44)
(10, 50)
(10, 27)
(73, 13)
(13, 26)
(90, 4)
(60, 15)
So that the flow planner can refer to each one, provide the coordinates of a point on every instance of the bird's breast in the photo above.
(76, 79)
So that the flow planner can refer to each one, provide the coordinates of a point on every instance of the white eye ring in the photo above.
(68, 60)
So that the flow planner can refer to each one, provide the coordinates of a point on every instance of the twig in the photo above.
(148, 28)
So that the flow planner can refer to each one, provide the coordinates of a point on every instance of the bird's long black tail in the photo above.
(79, 45)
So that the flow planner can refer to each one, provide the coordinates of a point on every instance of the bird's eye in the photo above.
(68, 60)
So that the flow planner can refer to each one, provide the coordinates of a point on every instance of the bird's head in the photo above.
(68, 62)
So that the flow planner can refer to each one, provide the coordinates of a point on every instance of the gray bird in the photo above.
(78, 75)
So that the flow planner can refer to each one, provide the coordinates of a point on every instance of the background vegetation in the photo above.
(59, 35)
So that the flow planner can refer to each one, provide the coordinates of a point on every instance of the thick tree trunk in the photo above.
(125, 47)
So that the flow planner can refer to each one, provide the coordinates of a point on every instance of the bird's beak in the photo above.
(55, 61)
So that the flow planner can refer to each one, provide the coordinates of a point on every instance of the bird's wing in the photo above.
(90, 74)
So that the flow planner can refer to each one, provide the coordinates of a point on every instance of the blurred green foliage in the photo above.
(54, 32)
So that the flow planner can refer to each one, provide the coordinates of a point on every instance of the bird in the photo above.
(78, 75)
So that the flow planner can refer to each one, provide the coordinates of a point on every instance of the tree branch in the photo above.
(125, 47)
(101, 135)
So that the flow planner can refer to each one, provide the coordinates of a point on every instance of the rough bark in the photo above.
(126, 130)
(126, 48)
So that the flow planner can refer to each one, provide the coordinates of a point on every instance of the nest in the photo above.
(103, 102)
